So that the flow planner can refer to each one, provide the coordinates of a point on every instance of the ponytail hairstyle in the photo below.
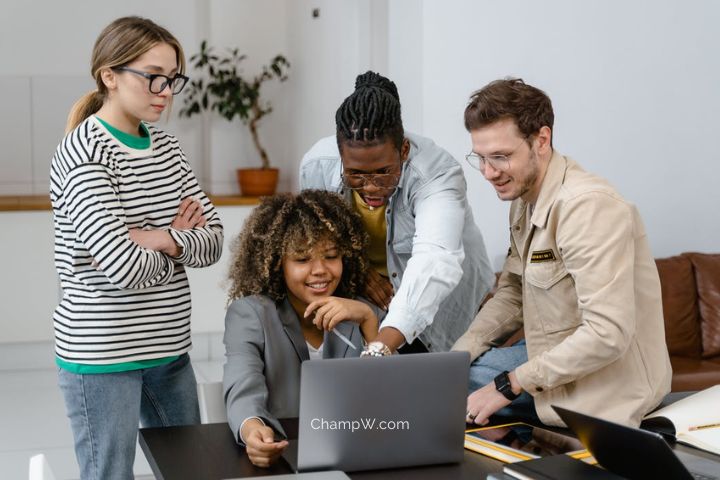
(118, 44)
(371, 114)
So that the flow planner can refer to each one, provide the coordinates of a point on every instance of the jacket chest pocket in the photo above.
(545, 275)
(403, 245)
(402, 228)
(552, 293)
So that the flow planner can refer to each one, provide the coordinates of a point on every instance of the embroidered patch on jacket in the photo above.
(542, 256)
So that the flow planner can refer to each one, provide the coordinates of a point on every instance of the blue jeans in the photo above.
(495, 361)
(105, 409)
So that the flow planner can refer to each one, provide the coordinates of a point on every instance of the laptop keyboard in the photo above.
(698, 476)
(700, 468)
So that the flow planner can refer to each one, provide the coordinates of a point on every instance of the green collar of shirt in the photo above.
(138, 142)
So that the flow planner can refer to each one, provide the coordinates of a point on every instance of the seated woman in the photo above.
(298, 265)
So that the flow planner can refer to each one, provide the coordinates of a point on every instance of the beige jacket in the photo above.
(581, 279)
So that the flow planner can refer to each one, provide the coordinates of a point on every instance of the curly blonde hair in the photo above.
(288, 223)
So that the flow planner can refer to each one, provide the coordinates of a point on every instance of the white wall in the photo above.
(406, 31)
(29, 289)
(46, 67)
(46, 48)
(257, 28)
(634, 86)
(327, 52)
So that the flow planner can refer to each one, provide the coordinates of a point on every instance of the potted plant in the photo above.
(224, 90)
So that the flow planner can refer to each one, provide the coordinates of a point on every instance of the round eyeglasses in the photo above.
(497, 162)
(380, 180)
(159, 82)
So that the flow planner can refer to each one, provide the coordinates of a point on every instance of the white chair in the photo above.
(40, 468)
(212, 404)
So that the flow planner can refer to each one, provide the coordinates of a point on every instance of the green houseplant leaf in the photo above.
(225, 90)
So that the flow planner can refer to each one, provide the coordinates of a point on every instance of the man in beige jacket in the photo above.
(579, 277)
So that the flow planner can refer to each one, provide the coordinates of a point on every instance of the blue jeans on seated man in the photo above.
(495, 361)
(106, 408)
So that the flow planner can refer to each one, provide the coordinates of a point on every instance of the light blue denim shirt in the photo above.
(436, 256)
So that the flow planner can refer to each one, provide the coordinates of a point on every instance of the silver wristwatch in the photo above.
(376, 349)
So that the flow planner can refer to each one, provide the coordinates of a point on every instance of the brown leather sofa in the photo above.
(691, 306)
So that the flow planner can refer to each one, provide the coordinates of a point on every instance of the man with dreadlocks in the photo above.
(430, 270)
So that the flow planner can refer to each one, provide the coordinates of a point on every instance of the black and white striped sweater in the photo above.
(123, 303)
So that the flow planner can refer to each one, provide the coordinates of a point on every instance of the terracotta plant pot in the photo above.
(257, 182)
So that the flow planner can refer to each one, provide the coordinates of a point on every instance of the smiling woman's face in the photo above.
(312, 274)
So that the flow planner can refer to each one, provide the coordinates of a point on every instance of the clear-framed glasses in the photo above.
(358, 181)
(159, 82)
(497, 162)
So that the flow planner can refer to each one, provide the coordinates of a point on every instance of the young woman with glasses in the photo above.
(129, 218)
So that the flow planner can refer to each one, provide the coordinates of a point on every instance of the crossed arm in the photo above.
(189, 215)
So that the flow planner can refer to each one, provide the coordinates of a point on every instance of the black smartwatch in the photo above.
(503, 385)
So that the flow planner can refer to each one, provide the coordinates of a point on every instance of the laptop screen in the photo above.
(401, 410)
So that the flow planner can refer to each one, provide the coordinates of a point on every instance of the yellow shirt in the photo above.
(376, 227)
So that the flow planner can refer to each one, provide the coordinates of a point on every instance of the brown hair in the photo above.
(512, 98)
(118, 44)
(287, 223)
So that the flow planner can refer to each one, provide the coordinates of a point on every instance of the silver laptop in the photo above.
(635, 453)
(375, 413)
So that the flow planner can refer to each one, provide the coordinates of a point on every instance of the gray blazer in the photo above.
(264, 347)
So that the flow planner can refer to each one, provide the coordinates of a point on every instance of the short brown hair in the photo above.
(512, 98)
(287, 223)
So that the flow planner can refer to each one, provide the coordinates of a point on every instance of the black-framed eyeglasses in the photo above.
(358, 181)
(159, 82)
(498, 162)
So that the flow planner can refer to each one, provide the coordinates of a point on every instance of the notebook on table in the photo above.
(557, 467)
(385, 412)
(694, 420)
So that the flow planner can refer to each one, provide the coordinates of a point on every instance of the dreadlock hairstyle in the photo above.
(371, 114)
(287, 223)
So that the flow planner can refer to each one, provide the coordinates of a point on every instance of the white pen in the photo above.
(344, 339)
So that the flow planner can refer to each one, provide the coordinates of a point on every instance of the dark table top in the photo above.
(209, 451)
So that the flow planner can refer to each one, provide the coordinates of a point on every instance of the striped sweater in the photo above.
(121, 302)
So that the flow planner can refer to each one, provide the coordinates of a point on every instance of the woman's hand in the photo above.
(189, 215)
(260, 444)
(330, 311)
(156, 240)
